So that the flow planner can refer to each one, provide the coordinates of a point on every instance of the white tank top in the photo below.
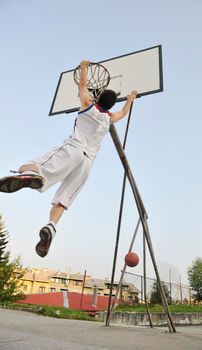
(90, 127)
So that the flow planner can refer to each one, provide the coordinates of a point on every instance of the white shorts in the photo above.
(68, 165)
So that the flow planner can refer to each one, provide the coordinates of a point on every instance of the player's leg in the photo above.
(48, 232)
(66, 193)
(28, 177)
(40, 173)
(29, 167)
(56, 212)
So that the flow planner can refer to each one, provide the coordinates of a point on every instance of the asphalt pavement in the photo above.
(23, 330)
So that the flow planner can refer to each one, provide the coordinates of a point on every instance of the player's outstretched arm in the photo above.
(115, 117)
(84, 94)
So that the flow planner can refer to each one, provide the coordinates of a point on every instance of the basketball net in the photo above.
(98, 79)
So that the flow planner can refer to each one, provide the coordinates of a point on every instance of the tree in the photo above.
(155, 297)
(195, 278)
(11, 272)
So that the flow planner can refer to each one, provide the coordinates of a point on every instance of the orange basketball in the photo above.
(131, 259)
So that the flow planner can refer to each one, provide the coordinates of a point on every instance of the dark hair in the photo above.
(107, 99)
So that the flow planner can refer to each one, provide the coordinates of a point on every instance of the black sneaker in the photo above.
(46, 235)
(14, 183)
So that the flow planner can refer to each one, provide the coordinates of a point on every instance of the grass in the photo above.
(158, 308)
(61, 312)
(51, 311)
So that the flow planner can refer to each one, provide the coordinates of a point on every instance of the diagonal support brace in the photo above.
(143, 217)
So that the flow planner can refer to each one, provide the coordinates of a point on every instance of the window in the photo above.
(63, 281)
(52, 289)
(42, 289)
(24, 288)
(77, 283)
(124, 288)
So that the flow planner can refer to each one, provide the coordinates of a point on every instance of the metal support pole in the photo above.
(118, 227)
(141, 284)
(122, 275)
(145, 282)
(143, 217)
(180, 291)
(170, 286)
(189, 298)
(82, 291)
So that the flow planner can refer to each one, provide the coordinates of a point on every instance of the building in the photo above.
(38, 281)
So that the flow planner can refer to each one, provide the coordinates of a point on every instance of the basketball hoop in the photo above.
(98, 79)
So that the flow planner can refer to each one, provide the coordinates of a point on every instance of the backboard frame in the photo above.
(122, 98)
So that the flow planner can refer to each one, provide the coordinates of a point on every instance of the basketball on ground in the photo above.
(131, 259)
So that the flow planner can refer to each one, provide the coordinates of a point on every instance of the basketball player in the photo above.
(70, 163)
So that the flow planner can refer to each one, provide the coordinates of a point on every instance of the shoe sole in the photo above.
(42, 250)
(13, 183)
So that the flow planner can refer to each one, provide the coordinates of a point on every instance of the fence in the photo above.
(177, 292)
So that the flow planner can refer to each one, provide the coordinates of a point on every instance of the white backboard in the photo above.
(140, 70)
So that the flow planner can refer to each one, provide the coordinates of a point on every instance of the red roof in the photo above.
(51, 299)
(74, 300)
(87, 302)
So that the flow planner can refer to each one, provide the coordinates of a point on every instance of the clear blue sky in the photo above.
(39, 39)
